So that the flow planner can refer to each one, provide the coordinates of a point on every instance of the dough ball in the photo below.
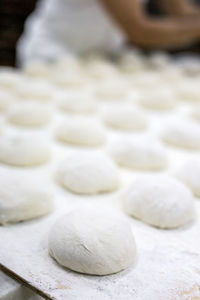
(9, 78)
(125, 117)
(182, 133)
(160, 99)
(6, 99)
(76, 102)
(23, 150)
(30, 114)
(37, 69)
(22, 199)
(195, 113)
(160, 201)
(35, 90)
(88, 173)
(189, 173)
(138, 153)
(101, 70)
(112, 90)
(81, 131)
(132, 61)
(92, 242)
(188, 90)
(159, 60)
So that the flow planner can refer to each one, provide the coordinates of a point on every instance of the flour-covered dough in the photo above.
(92, 242)
(86, 172)
(35, 90)
(182, 133)
(22, 199)
(6, 99)
(189, 173)
(138, 153)
(76, 102)
(81, 131)
(124, 117)
(159, 200)
(158, 99)
(24, 151)
(30, 114)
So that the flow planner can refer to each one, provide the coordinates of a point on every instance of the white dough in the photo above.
(92, 242)
(88, 173)
(30, 114)
(9, 78)
(81, 131)
(35, 90)
(24, 151)
(112, 90)
(195, 113)
(125, 117)
(182, 133)
(160, 99)
(76, 102)
(189, 173)
(6, 99)
(160, 201)
(138, 153)
(188, 90)
(22, 199)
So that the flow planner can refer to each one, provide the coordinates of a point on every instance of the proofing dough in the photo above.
(182, 133)
(92, 242)
(22, 199)
(88, 173)
(81, 131)
(23, 150)
(76, 102)
(6, 99)
(124, 117)
(30, 114)
(160, 201)
(160, 99)
(138, 153)
(35, 90)
(189, 173)
(112, 90)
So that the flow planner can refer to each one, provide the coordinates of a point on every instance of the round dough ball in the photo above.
(132, 61)
(88, 173)
(81, 131)
(159, 60)
(195, 113)
(37, 69)
(138, 153)
(125, 117)
(188, 89)
(35, 89)
(92, 242)
(189, 173)
(101, 70)
(22, 199)
(6, 99)
(23, 151)
(30, 114)
(160, 201)
(182, 133)
(112, 90)
(76, 102)
(9, 78)
(161, 99)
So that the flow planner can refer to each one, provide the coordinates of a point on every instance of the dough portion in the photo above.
(81, 131)
(30, 114)
(76, 102)
(112, 90)
(22, 199)
(18, 150)
(88, 173)
(35, 90)
(92, 242)
(160, 201)
(189, 173)
(124, 117)
(182, 133)
(6, 99)
(138, 153)
(161, 99)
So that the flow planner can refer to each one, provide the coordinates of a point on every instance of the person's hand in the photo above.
(180, 8)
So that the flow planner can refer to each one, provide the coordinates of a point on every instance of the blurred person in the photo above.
(58, 27)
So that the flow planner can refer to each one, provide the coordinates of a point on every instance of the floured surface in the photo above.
(168, 261)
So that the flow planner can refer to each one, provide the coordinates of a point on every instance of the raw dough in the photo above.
(76, 102)
(112, 90)
(92, 242)
(6, 99)
(189, 173)
(35, 90)
(161, 99)
(24, 151)
(160, 201)
(138, 153)
(85, 172)
(30, 114)
(22, 199)
(182, 133)
(81, 131)
(125, 117)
